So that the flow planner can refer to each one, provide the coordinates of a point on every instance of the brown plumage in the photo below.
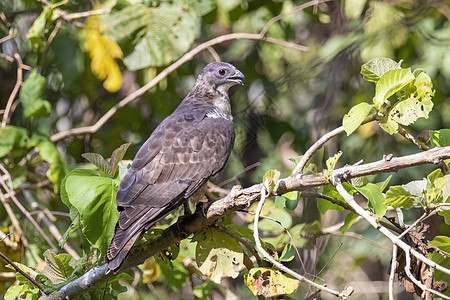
(184, 151)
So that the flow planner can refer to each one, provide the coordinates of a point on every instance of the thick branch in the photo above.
(238, 199)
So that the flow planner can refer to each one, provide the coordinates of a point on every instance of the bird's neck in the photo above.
(216, 96)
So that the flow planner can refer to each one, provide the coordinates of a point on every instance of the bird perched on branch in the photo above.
(184, 151)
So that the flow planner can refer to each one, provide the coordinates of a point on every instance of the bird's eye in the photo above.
(222, 72)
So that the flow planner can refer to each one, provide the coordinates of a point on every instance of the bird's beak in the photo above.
(237, 77)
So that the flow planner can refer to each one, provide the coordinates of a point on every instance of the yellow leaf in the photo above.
(151, 270)
(102, 51)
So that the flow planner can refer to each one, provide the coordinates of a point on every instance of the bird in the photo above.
(182, 153)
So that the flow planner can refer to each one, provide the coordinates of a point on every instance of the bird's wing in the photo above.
(186, 150)
(178, 158)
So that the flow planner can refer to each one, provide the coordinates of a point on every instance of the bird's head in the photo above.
(221, 76)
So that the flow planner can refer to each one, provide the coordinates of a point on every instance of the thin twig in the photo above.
(15, 90)
(282, 15)
(186, 57)
(23, 273)
(392, 273)
(320, 142)
(49, 41)
(412, 139)
(272, 260)
(85, 14)
(214, 53)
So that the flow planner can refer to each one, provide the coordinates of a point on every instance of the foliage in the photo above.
(381, 68)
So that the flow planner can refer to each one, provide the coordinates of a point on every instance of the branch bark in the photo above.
(238, 199)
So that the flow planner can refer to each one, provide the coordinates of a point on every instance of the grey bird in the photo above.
(182, 153)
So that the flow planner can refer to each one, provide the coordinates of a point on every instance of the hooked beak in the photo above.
(237, 77)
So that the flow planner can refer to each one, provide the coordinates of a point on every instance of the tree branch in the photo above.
(239, 199)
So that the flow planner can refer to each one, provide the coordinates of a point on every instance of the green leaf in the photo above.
(355, 116)
(270, 179)
(12, 137)
(398, 196)
(280, 202)
(36, 32)
(446, 215)
(31, 97)
(435, 184)
(218, 255)
(376, 198)
(391, 82)
(349, 220)
(110, 166)
(382, 185)
(117, 156)
(14, 292)
(424, 86)
(354, 8)
(98, 160)
(94, 197)
(331, 163)
(438, 138)
(388, 125)
(375, 68)
(57, 268)
(408, 111)
(325, 205)
(160, 34)
(291, 201)
(442, 242)
(204, 290)
(288, 253)
(270, 282)
(48, 152)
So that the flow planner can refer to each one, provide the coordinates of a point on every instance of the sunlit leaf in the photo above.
(288, 253)
(397, 196)
(355, 116)
(218, 255)
(390, 83)
(388, 125)
(375, 68)
(270, 179)
(270, 282)
(58, 267)
(354, 8)
(408, 111)
(438, 138)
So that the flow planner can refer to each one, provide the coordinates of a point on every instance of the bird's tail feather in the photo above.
(117, 256)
